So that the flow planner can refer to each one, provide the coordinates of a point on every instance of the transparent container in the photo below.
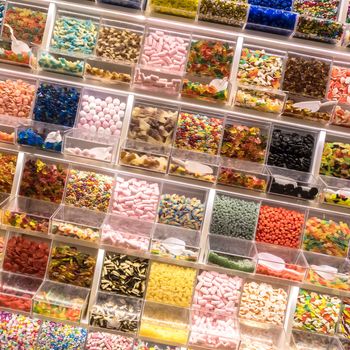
(108, 72)
(231, 253)
(182, 9)
(60, 302)
(292, 183)
(8, 163)
(8, 129)
(17, 291)
(58, 63)
(279, 262)
(133, 4)
(266, 19)
(341, 116)
(310, 341)
(229, 12)
(3, 236)
(164, 323)
(339, 85)
(194, 165)
(149, 345)
(116, 312)
(243, 174)
(44, 136)
(328, 271)
(80, 143)
(335, 191)
(317, 9)
(144, 155)
(25, 58)
(326, 233)
(175, 243)
(28, 214)
(263, 100)
(125, 233)
(81, 224)
(319, 29)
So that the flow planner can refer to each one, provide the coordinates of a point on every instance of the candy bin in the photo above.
(115, 312)
(80, 143)
(231, 253)
(17, 292)
(260, 99)
(108, 72)
(44, 136)
(8, 127)
(43, 179)
(319, 29)
(88, 189)
(76, 223)
(335, 191)
(175, 243)
(243, 174)
(26, 255)
(346, 37)
(25, 58)
(55, 335)
(280, 224)
(131, 272)
(186, 9)
(104, 339)
(234, 216)
(341, 115)
(299, 107)
(58, 63)
(344, 323)
(270, 20)
(164, 323)
(316, 312)
(292, 148)
(28, 214)
(318, 8)
(170, 284)
(124, 233)
(328, 271)
(286, 5)
(3, 240)
(180, 206)
(292, 183)
(72, 264)
(326, 234)
(82, 28)
(147, 345)
(8, 161)
(19, 332)
(27, 22)
(279, 262)
(231, 12)
(305, 341)
(339, 84)
(133, 4)
(263, 303)
(60, 301)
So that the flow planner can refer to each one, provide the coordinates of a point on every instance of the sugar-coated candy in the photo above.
(60, 64)
(8, 163)
(108, 341)
(339, 86)
(186, 8)
(327, 9)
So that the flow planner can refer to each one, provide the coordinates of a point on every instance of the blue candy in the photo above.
(133, 4)
(276, 4)
(31, 137)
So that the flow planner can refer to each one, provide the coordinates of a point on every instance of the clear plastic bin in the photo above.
(335, 191)
(317, 9)
(186, 9)
(25, 58)
(8, 129)
(341, 116)
(133, 4)
(175, 243)
(81, 224)
(309, 341)
(231, 253)
(61, 302)
(8, 163)
(339, 86)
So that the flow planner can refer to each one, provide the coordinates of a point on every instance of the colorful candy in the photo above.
(339, 86)
(206, 92)
(75, 231)
(344, 324)
(111, 76)
(186, 8)
(31, 222)
(8, 163)
(7, 55)
(60, 64)
(327, 9)
(341, 116)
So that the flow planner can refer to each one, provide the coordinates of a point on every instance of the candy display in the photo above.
(124, 274)
(71, 265)
(263, 302)
(56, 104)
(44, 180)
(280, 226)
(87, 189)
(316, 312)
(344, 323)
(8, 163)
(256, 67)
(224, 12)
(175, 8)
(59, 336)
(259, 99)
(98, 70)
(74, 35)
(108, 341)
(205, 91)
(326, 235)
(17, 97)
(306, 340)
(317, 8)
(197, 132)
(28, 24)
(170, 284)
(339, 85)
(7, 55)
(234, 217)
(291, 149)
(334, 160)
(26, 255)
(101, 116)
(275, 4)
(341, 116)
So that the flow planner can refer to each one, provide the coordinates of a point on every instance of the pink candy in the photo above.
(107, 341)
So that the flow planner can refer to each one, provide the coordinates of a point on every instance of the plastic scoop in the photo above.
(313, 106)
(174, 245)
(325, 271)
(194, 167)
(341, 192)
(219, 84)
(17, 46)
(53, 137)
(273, 262)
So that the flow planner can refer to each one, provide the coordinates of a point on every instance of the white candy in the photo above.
(119, 124)
(100, 130)
(92, 105)
(105, 110)
(86, 109)
(107, 117)
(121, 114)
(93, 129)
(122, 106)
(85, 104)
(116, 102)
(98, 108)
(98, 101)
(85, 97)
(112, 112)
(91, 99)
(82, 114)
(109, 99)
(116, 118)
(103, 104)
(100, 114)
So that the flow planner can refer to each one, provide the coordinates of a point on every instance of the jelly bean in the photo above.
(8, 163)
(108, 341)
(339, 86)
(327, 9)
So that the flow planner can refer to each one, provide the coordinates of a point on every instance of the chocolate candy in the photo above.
(124, 274)
(26, 255)
(43, 180)
(8, 163)
(71, 265)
